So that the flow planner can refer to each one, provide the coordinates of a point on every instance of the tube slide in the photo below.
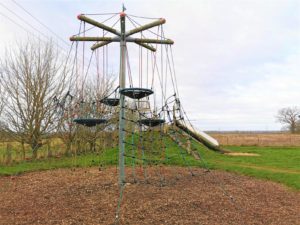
(200, 136)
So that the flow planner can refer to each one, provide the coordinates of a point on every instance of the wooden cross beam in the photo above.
(102, 41)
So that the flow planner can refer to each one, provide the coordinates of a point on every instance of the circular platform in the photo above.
(110, 101)
(136, 93)
(151, 122)
(89, 122)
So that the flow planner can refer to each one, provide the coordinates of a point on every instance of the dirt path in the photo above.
(89, 196)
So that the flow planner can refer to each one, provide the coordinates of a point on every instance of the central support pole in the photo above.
(122, 84)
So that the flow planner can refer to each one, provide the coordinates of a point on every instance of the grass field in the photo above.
(280, 164)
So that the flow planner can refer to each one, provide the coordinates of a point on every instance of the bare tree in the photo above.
(84, 103)
(2, 99)
(2, 103)
(289, 117)
(66, 129)
(32, 75)
(94, 91)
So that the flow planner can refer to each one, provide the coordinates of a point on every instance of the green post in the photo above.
(122, 103)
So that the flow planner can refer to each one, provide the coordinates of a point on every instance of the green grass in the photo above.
(280, 164)
(109, 158)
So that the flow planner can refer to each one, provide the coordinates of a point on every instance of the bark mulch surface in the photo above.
(90, 196)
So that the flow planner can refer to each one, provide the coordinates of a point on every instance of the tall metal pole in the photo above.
(122, 83)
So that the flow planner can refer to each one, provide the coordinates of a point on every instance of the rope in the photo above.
(147, 69)
(103, 59)
(129, 68)
(173, 65)
(143, 17)
(114, 91)
(162, 68)
(133, 153)
(100, 14)
(143, 153)
(83, 54)
(83, 83)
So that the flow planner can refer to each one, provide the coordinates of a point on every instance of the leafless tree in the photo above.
(94, 91)
(66, 111)
(289, 117)
(2, 99)
(2, 103)
(84, 103)
(32, 75)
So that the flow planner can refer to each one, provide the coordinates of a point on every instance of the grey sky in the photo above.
(237, 62)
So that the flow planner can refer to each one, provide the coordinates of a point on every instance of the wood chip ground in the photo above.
(170, 196)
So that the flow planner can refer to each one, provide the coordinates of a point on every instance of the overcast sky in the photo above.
(237, 62)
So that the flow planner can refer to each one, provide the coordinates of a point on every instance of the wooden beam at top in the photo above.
(150, 41)
(145, 27)
(97, 24)
(76, 38)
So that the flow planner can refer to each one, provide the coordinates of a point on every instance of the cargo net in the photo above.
(152, 140)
